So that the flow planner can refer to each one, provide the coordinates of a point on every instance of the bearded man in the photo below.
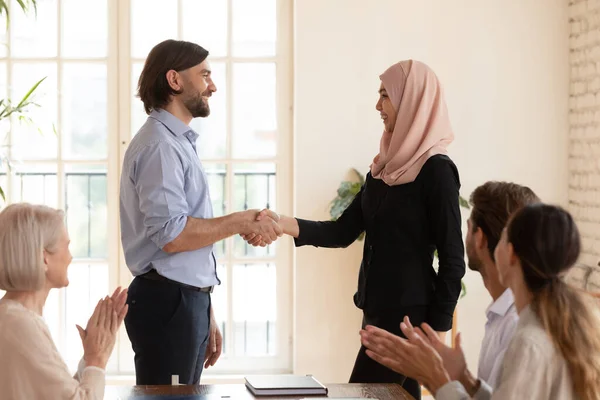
(167, 224)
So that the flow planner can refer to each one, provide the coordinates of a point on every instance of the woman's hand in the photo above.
(288, 224)
(100, 334)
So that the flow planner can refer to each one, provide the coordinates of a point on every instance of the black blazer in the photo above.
(404, 224)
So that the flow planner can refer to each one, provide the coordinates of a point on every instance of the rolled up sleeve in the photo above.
(158, 177)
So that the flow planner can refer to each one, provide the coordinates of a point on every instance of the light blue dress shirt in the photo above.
(163, 183)
(502, 321)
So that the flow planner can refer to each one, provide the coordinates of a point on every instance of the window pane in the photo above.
(36, 139)
(35, 184)
(84, 28)
(209, 32)
(212, 143)
(254, 111)
(4, 122)
(219, 303)
(34, 35)
(152, 21)
(3, 79)
(254, 28)
(217, 183)
(3, 185)
(84, 116)
(254, 309)
(87, 285)
(85, 200)
(254, 188)
(138, 115)
(3, 38)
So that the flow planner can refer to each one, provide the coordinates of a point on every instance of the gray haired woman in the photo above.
(34, 258)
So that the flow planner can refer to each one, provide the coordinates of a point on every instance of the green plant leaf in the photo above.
(4, 10)
(361, 178)
(344, 189)
(29, 93)
(25, 5)
(463, 289)
(463, 202)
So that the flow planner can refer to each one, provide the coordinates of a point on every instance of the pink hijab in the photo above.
(422, 125)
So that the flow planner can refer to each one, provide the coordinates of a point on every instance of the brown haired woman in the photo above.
(555, 352)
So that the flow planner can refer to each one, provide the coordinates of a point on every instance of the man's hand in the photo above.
(215, 343)
(414, 358)
(256, 239)
(267, 229)
(454, 358)
(442, 336)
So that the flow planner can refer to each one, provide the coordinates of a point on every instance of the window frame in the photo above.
(119, 63)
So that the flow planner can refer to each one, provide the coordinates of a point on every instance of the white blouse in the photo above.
(532, 369)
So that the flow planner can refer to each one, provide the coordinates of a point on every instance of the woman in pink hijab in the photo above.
(408, 207)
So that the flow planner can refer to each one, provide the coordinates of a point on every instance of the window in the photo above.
(71, 157)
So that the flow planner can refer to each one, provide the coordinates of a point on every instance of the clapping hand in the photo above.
(453, 357)
(100, 333)
(415, 356)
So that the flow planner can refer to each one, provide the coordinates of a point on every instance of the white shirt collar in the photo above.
(502, 304)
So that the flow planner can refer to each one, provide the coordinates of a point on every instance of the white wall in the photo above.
(504, 64)
(584, 149)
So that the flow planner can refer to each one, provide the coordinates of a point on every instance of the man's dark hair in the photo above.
(493, 203)
(178, 55)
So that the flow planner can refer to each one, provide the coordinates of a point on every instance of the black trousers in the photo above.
(367, 370)
(168, 326)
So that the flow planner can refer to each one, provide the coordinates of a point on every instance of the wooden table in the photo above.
(380, 391)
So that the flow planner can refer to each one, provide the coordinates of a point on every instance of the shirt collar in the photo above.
(173, 124)
(502, 304)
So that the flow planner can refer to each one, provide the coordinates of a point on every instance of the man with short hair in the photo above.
(492, 205)
(167, 224)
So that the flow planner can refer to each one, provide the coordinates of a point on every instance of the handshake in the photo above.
(262, 228)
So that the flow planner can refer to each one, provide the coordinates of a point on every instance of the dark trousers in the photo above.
(367, 370)
(168, 326)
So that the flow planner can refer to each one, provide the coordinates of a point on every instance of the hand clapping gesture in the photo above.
(100, 333)
(422, 356)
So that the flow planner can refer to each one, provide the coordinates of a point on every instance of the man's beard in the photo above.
(473, 262)
(197, 106)
(474, 265)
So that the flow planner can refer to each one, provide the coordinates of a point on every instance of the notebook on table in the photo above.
(285, 385)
